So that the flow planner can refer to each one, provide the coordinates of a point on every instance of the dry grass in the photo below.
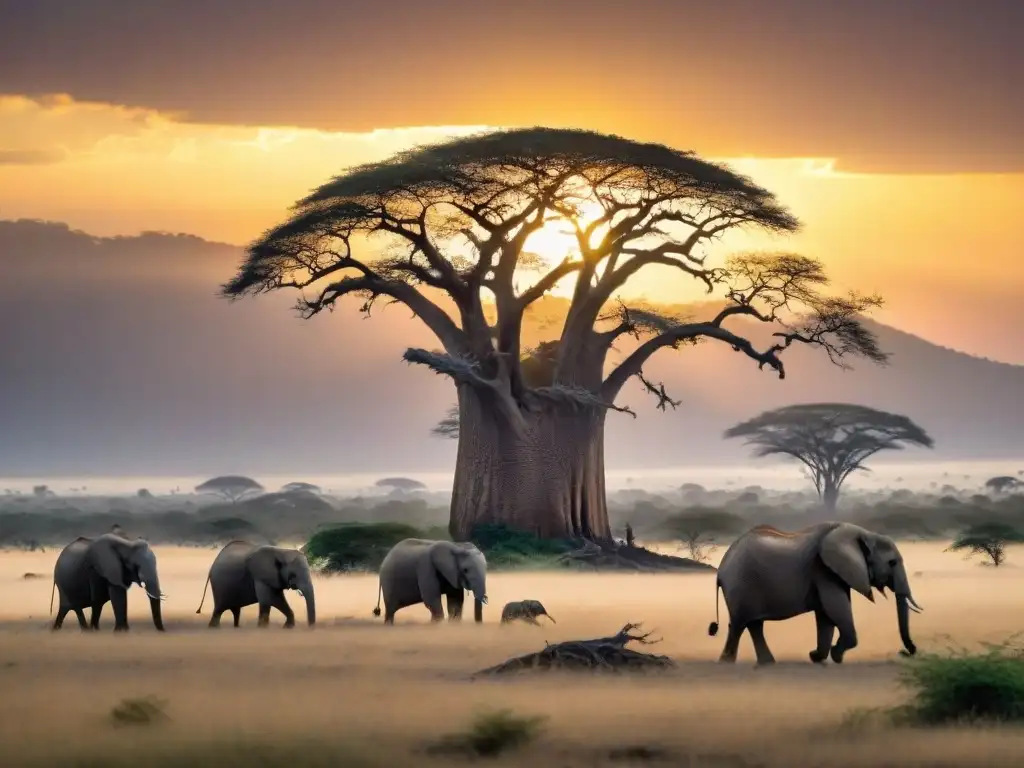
(356, 693)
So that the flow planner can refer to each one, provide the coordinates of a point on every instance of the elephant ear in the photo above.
(107, 559)
(446, 561)
(265, 566)
(843, 552)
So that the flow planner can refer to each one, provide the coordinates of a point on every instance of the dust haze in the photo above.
(356, 691)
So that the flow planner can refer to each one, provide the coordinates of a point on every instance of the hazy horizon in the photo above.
(913, 475)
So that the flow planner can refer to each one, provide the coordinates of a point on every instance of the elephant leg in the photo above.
(455, 602)
(80, 615)
(430, 594)
(265, 599)
(826, 629)
(281, 603)
(761, 649)
(835, 603)
(62, 611)
(119, 604)
(732, 643)
(95, 613)
(215, 617)
(99, 594)
(236, 614)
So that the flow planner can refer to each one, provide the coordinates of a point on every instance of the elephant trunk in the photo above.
(310, 597)
(158, 621)
(903, 616)
(904, 601)
(478, 611)
(151, 583)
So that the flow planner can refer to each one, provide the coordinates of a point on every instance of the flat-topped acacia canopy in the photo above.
(454, 219)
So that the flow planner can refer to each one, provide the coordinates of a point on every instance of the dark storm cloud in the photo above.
(916, 85)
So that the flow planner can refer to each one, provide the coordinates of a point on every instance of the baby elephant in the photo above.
(524, 610)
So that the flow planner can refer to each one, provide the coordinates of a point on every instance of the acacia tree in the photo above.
(832, 440)
(444, 230)
(232, 487)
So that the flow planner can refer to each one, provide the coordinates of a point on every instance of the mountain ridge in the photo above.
(126, 361)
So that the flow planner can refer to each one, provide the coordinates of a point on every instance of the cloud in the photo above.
(915, 86)
(30, 156)
(117, 169)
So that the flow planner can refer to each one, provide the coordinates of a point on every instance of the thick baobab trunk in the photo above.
(829, 499)
(548, 480)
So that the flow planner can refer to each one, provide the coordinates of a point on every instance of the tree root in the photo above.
(615, 556)
(605, 654)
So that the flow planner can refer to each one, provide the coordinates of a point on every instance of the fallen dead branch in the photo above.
(605, 654)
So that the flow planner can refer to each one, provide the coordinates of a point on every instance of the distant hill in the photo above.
(118, 358)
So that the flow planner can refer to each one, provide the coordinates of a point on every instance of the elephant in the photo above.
(525, 610)
(89, 572)
(771, 575)
(243, 574)
(422, 570)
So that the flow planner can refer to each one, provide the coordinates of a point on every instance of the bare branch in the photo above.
(577, 397)
(460, 369)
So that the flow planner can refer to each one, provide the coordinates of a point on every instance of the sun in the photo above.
(556, 241)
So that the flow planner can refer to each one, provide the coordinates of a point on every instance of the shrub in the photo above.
(491, 734)
(962, 687)
(507, 547)
(145, 711)
(356, 546)
(988, 539)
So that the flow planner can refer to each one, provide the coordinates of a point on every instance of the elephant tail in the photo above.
(200, 608)
(713, 626)
(52, 590)
(380, 590)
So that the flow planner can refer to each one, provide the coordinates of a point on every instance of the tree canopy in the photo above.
(493, 191)
(300, 486)
(832, 440)
(231, 487)
(445, 229)
(1003, 484)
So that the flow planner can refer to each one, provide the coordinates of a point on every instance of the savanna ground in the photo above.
(356, 693)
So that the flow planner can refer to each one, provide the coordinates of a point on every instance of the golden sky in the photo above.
(943, 248)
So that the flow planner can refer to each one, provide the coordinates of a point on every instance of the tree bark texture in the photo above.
(546, 478)
(829, 498)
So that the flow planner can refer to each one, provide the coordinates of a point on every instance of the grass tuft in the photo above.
(491, 734)
(147, 710)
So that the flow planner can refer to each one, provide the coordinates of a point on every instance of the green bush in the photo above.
(507, 547)
(961, 686)
(356, 546)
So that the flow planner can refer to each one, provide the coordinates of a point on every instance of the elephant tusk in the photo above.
(300, 592)
(483, 600)
(913, 604)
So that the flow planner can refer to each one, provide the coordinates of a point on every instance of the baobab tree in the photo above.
(449, 229)
(832, 440)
